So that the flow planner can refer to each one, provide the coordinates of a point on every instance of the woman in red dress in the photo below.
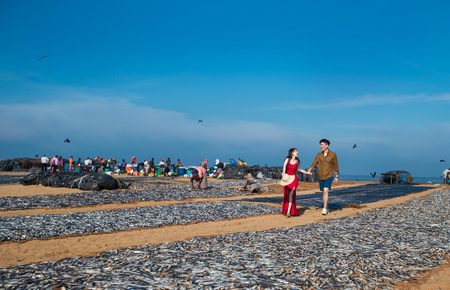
(290, 183)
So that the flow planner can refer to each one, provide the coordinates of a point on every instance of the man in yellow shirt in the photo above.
(328, 170)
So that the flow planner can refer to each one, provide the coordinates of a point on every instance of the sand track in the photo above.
(9, 190)
(436, 279)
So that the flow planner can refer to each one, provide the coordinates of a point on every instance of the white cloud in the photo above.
(99, 121)
(367, 100)
(93, 118)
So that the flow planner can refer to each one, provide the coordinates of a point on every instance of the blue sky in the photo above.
(134, 78)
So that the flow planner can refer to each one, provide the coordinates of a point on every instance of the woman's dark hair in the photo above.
(289, 156)
(326, 141)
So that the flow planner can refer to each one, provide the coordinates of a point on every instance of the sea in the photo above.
(435, 179)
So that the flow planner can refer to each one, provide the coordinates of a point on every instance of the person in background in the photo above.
(123, 165)
(54, 164)
(177, 166)
(60, 164)
(44, 163)
(218, 169)
(111, 164)
(87, 164)
(108, 165)
(204, 164)
(167, 164)
(242, 163)
(167, 167)
(199, 178)
(446, 175)
(219, 164)
(93, 165)
(179, 163)
(78, 165)
(140, 165)
(71, 167)
(162, 166)
(328, 170)
(152, 166)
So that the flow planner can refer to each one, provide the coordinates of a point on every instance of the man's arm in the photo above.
(314, 163)
(336, 166)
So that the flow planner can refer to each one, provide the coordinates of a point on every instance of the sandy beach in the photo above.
(57, 248)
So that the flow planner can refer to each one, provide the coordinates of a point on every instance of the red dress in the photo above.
(291, 169)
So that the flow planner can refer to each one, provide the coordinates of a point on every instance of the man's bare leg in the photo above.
(325, 200)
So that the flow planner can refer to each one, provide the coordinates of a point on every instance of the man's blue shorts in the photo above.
(326, 183)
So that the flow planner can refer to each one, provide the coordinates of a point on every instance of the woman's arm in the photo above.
(285, 164)
(305, 172)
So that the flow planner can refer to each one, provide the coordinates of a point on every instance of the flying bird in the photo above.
(354, 146)
(442, 161)
(44, 57)
(67, 141)
(373, 174)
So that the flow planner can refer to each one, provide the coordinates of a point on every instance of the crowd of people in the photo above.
(197, 174)
(165, 167)
(133, 167)
(57, 164)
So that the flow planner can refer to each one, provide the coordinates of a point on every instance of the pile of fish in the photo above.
(83, 181)
(239, 172)
(150, 182)
(374, 250)
(153, 193)
(45, 226)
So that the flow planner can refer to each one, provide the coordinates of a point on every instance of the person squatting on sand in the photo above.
(328, 170)
(199, 178)
(289, 182)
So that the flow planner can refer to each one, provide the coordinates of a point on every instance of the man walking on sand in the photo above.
(328, 170)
